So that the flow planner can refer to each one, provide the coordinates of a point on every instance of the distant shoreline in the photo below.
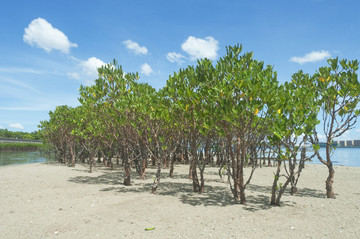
(15, 140)
(11, 147)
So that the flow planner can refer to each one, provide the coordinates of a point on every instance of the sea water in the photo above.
(341, 156)
(21, 157)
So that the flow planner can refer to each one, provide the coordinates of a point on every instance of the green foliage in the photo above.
(339, 87)
(4, 133)
(236, 100)
(338, 93)
(20, 146)
(237, 94)
(316, 147)
(244, 91)
(296, 110)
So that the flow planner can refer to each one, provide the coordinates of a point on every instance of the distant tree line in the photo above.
(232, 114)
(21, 147)
(5, 133)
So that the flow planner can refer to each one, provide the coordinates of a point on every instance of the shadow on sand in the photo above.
(220, 195)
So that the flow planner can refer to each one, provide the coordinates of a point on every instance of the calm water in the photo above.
(7, 158)
(341, 156)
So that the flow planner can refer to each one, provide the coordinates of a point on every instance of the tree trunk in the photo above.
(194, 154)
(202, 169)
(99, 157)
(202, 181)
(153, 161)
(193, 168)
(301, 167)
(64, 160)
(330, 179)
(329, 182)
(110, 163)
(117, 159)
(242, 187)
(196, 185)
(190, 171)
(236, 191)
(292, 165)
(172, 162)
(275, 186)
(91, 161)
(127, 173)
(182, 157)
(281, 192)
(165, 162)
(234, 169)
(143, 168)
(72, 156)
(217, 158)
(126, 169)
(275, 199)
(157, 177)
(240, 162)
(186, 156)
(293, 189)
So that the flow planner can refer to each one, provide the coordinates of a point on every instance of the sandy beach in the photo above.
(55, 201)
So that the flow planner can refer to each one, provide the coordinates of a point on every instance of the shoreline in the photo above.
(46, 161)
(49, 200)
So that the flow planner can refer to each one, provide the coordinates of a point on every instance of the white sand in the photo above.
(54, 201)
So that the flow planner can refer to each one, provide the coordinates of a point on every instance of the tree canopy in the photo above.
(233, 110)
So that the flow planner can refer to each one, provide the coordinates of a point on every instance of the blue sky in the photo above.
(49, 48)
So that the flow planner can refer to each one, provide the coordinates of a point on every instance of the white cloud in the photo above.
(1, 127)
(16, 126)
(146, 69)
(201, 48)
(175, 57)
(42, 34)
(90, 66)
(88, 70)
(134, 46)
(311, 57)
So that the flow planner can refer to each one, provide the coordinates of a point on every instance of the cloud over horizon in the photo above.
(146, 69)
(313, 56)
(16, 126)
(175, 57)
(135, 47)
(201, 48)
(88, 70)
(43, 35)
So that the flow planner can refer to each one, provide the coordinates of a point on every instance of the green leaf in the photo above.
(316, 147)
